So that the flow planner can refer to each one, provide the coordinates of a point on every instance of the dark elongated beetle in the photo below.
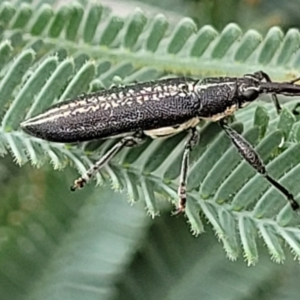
(160, 109)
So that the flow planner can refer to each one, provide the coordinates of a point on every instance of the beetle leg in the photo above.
(262, 75)
(190, 144)
(250, 155)
(128, 141)
(295, 109)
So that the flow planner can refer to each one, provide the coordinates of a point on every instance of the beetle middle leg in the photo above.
(190, 144)
(129, 141)
(250, 155)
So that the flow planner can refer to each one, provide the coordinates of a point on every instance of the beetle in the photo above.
(160, 109)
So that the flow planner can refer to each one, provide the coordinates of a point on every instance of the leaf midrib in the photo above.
(192, 66)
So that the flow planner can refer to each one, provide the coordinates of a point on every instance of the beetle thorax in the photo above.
(221, 97)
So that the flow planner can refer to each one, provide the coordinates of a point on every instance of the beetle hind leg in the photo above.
(250, 155)
(129, 141)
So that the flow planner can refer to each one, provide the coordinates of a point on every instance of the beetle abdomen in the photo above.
(117, 111)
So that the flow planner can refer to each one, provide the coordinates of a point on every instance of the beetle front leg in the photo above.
(128, 141)
(262, 75)
(250, 155)
(295, 109)
(190, 144)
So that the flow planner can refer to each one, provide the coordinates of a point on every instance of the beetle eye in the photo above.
(250, 94)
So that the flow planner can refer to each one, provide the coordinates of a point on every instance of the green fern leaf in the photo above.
(50, 55)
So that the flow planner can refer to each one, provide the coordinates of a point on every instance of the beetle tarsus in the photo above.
(180, 208)
(295, 111)
(78, 184)
(294, 205)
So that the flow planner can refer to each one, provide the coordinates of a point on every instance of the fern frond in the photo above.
(46, 60)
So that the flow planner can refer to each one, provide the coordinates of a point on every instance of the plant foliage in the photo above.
(48, 55)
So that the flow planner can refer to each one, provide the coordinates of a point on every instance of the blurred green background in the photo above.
(95, 245)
